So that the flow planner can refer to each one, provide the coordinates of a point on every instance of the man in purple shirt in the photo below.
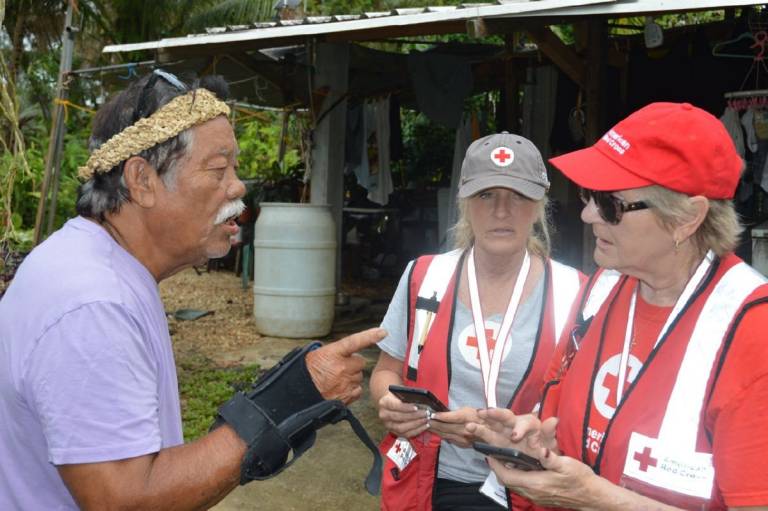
(89, 403)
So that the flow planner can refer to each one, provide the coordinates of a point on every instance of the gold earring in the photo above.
(677, 245)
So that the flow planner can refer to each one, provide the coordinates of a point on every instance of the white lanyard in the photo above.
(490, 367)
(690, 287)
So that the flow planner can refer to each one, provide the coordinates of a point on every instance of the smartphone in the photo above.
(519, 459)
(417, 396)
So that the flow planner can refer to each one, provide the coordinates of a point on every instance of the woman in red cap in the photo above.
(660, 398)
(476, 326)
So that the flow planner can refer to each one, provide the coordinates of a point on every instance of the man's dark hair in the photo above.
(106, 192)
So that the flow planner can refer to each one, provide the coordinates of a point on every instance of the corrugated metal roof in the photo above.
(636, 7)
(340, 23)
(319, 25)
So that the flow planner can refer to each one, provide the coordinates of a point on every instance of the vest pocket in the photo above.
(399, 485)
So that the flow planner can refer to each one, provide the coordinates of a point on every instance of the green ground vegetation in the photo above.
(204, 387)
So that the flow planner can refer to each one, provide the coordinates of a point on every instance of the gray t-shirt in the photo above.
(466, 386)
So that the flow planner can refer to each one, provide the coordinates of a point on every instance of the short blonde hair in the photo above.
(539, 241)
(720, 229)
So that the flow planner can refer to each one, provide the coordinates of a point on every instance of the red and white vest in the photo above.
(432, 294)
(656, 443)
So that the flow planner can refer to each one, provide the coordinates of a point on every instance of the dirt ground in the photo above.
(328, 477)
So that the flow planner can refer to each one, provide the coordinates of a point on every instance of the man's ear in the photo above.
(141, 179)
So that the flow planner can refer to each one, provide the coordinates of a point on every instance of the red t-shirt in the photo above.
(649, 320)
(737, 414)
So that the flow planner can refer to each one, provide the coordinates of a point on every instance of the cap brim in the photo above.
(590, 168)
(530, 189)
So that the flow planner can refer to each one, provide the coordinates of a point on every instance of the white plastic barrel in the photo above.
(294, 284)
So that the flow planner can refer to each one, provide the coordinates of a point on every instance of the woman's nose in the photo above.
(502, 206)
(589, 213)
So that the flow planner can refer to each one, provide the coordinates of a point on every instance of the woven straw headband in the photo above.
(179, 114)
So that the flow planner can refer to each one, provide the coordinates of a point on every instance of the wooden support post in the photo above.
(596, 50)
(57, 130)
(559, 53)
(331, 75)
(511, 88)
(56, 174)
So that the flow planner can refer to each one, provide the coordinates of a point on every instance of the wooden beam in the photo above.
(596, 51)
(558, 52)
(477, 28)
(595, 72)
(511, 88)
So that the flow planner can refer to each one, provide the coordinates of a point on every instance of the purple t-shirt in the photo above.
(86, 367)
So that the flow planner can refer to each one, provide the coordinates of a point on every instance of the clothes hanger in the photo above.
(744, 99)
(718, 49)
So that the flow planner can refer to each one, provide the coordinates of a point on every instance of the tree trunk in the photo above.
(17, 44)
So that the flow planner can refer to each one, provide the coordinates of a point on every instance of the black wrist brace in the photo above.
(282, 413)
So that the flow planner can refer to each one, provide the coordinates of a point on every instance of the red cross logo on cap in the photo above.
(502, 156)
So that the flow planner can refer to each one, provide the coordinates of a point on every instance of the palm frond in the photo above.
(231, 12)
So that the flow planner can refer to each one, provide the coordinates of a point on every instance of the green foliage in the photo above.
(689, 18)
(428, 150)
(564, 32)
(259, 142)
(204, 387)
(326, 7)
(23, 182)
(230, 12)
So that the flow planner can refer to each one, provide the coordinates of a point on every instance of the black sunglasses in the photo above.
(610, 207)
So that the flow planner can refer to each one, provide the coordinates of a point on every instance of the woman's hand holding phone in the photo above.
(451, 426)
(512, 458)
(503, 428)
(422, 398)
(402, 419)
(549, 479)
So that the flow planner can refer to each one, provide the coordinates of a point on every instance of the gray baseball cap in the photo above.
(503, 160)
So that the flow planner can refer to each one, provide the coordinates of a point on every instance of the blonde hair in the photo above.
(539, 242)
(720, 229)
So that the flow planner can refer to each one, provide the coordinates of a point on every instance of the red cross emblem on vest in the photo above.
(645, 459)
(502, 156)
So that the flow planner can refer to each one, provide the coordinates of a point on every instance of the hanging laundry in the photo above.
(539, 104)
(367, 151)
(355, 146)
(380, 174)
(747, 120)
(763, 178)
(395, 130)
(441, 83)
(730, 120)
(760, 122)
(462, 140)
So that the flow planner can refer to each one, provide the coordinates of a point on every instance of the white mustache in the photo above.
(229, 210)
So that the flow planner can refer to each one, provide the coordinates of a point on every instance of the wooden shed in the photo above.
(545, 85)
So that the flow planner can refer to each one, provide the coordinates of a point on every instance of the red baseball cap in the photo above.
(674, 145)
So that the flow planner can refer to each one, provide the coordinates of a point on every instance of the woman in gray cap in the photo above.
(476, 327)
